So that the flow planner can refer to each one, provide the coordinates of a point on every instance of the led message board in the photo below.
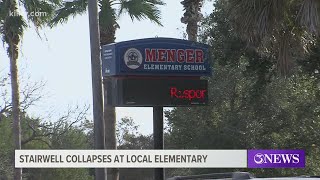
(158, 92)
(156, 57)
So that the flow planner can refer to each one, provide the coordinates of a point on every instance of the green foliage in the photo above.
(129, 138)
(137, 9)
(6, 148)
(311, 64)
(62, 173)
(45, 10)
(142, 9)
(12, 23)
(68, 9)
(250, 106)
(280, 28)
(108, 15)
(125, 130)
(65, 137)
(73, 138)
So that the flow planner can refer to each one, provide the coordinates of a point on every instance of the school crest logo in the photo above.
(133, 58)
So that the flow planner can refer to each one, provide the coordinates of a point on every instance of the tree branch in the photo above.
(41, 130)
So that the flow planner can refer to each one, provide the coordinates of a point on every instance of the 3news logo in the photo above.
(276, 159)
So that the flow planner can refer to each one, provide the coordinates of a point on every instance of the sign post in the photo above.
(158, 142)
(157, 72)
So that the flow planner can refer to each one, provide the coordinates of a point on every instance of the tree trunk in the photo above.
(107, 36)
(191, 17)
(12, 39)
(15, 104)
(192, 30)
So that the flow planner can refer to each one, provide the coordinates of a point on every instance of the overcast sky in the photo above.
(61, 58)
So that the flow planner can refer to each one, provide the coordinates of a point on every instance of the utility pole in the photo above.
(100, 173)
(158, 137)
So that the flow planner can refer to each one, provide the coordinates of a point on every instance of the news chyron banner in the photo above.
(159, 159)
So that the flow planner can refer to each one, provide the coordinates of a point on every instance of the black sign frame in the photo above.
(148, 92)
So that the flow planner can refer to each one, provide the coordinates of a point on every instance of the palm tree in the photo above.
(12, 26)
(108, 15)
(191, 17)
(281, 27)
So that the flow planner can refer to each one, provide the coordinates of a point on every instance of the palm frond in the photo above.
(308, 16)
(142, 9)
(3, 13)
(67, 10)
(40, 12)
(3, 10)
(12, 30)
(255, 19)
(107, 15)
(12, 24)
(156, 2)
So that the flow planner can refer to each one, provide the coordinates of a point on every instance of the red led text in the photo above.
(188, 93)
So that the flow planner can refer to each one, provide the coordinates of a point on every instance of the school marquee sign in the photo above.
(156, 72)
(156, 57)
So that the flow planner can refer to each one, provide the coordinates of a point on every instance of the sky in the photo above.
(60, 57)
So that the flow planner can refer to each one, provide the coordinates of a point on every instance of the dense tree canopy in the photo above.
(281, 28)
(251, 107)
